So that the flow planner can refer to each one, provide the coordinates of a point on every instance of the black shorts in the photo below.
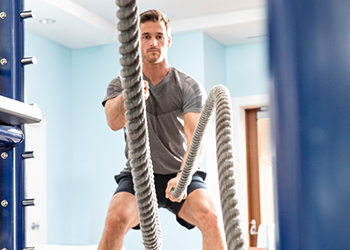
(125, 184)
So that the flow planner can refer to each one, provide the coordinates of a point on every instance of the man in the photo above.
(173, 102)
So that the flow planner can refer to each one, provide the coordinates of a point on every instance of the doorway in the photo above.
(259, 170)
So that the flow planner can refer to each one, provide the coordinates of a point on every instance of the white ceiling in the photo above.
(85, 23)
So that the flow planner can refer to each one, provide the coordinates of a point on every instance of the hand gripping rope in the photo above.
(138, 142)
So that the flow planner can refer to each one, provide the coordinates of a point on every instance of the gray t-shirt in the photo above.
(176, 95)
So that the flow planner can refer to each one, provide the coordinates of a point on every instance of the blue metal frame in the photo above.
(11, 48)
(10, 136)
(310, 68)
(12, 234)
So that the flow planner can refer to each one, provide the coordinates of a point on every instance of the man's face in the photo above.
(154, 42)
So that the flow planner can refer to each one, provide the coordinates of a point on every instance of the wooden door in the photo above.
(259, 170)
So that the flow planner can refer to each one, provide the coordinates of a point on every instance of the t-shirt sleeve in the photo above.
(194, 96)
(114, 89)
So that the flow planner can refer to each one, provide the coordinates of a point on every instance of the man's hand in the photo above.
(172, 183)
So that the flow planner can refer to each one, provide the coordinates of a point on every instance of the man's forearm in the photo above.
(115, 113)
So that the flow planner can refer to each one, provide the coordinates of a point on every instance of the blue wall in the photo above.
(98, 151)
(48, 84)
(214, 63)
(83, 154)
(186, 53)
(247, 69)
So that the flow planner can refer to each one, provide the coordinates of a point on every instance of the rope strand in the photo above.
(218, 98)
(136, 127)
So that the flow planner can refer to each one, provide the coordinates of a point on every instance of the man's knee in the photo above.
(208, 219)
(122, 214)
(116, 224)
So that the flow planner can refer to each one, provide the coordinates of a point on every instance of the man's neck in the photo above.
(155, 72)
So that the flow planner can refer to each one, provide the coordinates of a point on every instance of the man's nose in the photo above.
(154, 42)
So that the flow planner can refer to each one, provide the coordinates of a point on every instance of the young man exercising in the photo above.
(173, 103)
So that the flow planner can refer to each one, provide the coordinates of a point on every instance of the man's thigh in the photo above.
(124, 207)
(198, 204)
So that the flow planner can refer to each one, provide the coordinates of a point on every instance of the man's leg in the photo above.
(121, 217)
(199, 209)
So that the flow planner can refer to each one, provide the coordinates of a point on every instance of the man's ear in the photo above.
(169, 41)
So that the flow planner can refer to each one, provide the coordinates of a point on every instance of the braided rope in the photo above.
(219, 98)
(136, 127)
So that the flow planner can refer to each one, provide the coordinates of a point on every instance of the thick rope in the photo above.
(219, 98)
(136, 127)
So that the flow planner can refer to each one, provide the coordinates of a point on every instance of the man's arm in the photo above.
(190, 123)
(115, 113)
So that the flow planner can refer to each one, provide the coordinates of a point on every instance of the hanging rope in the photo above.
(138, 143)
(220, 99)
(136, 127)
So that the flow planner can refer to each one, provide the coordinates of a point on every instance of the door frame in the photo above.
(239, 105)
(36, 184)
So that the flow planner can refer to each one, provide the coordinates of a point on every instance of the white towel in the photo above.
(266, 236)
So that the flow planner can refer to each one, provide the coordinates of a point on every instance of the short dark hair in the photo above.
(156, 16)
